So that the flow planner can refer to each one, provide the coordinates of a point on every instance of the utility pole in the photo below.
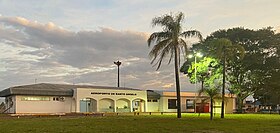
(118, 63)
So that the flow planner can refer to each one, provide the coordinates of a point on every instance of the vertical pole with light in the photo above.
(195, 55)
(118, 63)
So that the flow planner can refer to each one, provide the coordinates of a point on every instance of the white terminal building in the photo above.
(62, 98)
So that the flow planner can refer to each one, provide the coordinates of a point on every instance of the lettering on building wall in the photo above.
(106, 93)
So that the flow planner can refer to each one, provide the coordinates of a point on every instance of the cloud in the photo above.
(46, 51)
(50, 53)
(278, 29)
(79, 49)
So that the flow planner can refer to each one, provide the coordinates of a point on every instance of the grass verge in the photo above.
(232, 123)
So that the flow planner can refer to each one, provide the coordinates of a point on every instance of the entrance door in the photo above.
(206, 108)
(88, 105)
(138, 105)
(202, 107)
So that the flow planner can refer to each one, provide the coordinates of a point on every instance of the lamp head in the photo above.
(117, 63)
(198, 54)
(190, 56)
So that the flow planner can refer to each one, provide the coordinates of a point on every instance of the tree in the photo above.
(253, 74)
(257, 72)
(204, 68)
(269, 94)
(212, 90)
(207, 71)
(227, 52)
(170, 42)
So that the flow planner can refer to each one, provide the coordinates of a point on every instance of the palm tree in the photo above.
(225, 51)
(170, 42)
(213, 92)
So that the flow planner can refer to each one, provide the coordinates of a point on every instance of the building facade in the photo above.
(57, 98)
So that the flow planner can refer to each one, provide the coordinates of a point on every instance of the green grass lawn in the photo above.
(232, 123)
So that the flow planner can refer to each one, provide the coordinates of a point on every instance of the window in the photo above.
(190, 104)
(35, 98)
(152, 100)
(55, 98)
(172, 104)
(61, 99)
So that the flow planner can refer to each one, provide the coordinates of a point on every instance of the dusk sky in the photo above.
(77, 41)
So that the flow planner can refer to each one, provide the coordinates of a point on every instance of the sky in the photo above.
(77, 41)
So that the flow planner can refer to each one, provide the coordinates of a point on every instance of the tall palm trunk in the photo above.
(211, 109)
(177, 79)
(224, 82)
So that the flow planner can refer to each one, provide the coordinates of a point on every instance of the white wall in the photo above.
(153, 106)
(122, 103)
(164, 104)
(44, 106)
(112, 94)
(117, 98)
(229, 105)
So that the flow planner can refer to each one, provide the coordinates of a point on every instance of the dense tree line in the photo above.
(242, 61)
(252, 62)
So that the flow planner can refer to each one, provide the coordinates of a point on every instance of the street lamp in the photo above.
(195, 55)
(118, 63)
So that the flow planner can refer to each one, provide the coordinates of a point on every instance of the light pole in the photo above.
(118, 63)
(195, 55)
